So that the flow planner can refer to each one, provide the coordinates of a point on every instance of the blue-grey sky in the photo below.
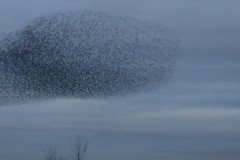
(195, 115)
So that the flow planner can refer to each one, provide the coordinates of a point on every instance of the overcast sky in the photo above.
(195, 115)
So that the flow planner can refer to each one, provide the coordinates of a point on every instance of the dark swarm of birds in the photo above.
(82, 55)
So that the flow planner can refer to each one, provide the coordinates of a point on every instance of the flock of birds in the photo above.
(82, 55)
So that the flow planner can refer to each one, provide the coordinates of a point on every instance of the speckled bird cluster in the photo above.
(83, 54)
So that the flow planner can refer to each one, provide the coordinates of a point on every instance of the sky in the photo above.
(195, 115)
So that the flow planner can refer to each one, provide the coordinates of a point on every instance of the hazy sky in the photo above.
(196, 115)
